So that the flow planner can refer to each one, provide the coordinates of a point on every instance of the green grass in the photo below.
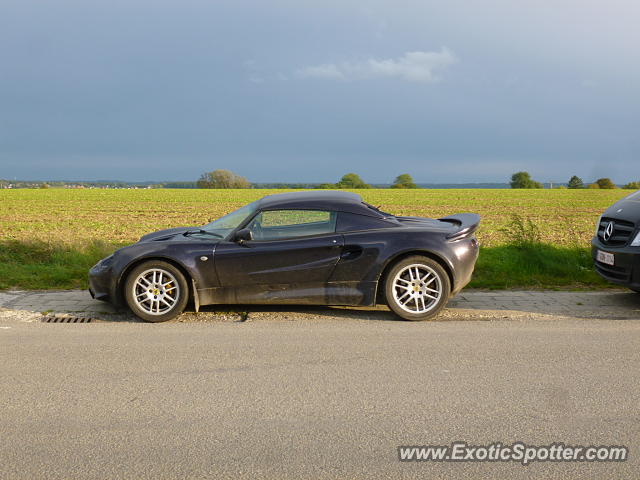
(535, 266)
(530, 238)
(40, 265)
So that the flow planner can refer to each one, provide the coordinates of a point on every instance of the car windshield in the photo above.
(634, 196)
(224, 225)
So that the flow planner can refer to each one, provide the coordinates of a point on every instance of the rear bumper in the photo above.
(626, 269)
(466, 253)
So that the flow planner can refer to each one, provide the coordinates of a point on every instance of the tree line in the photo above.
(524, 180)
(227, 179)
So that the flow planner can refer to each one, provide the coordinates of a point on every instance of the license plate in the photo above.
(606, 258)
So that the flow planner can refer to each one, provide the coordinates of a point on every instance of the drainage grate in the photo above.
(65, 319)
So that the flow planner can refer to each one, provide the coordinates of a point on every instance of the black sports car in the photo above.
(313, 248)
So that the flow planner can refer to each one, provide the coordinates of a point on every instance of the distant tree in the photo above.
(575, 182)
(524, 180)
(404, 181)
(628, 186)
(326, 186)
(351, 180)
(606, 183)
(593, 186)
(222, 179)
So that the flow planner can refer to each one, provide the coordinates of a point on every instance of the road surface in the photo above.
(322, 395)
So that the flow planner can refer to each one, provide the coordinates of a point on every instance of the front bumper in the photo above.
(101, 284)
(626, 268)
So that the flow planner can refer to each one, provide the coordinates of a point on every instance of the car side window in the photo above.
(285, 224)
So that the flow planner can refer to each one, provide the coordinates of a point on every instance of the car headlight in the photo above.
(636, 241)
(598, 224)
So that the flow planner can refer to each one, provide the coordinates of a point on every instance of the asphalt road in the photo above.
(327, 398)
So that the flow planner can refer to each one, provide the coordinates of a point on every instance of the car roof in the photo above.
(339, 201)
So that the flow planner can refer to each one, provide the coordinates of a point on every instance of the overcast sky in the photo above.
(449, 91)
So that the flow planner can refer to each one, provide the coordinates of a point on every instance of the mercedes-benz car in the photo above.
(312, 248)
(616, 244)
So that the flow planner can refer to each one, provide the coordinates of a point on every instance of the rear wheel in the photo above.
(156, 291)
(417, 288)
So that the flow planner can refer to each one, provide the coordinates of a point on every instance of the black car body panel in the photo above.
(624, 218)
(342, 267)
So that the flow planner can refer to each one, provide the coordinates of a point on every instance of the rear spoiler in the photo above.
(467, 223)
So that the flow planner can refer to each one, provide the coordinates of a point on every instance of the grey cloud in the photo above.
(416, 66)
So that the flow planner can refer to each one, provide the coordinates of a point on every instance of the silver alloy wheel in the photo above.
(155, 291)
(417, 288)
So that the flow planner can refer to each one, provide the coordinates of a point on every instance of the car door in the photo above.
(289, 260)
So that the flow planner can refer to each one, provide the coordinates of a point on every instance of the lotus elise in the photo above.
(307, 248)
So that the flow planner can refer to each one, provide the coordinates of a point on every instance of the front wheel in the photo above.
(156, 291)
(417, 288)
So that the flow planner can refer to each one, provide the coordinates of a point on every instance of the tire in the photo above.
(434, 288)
(161, 290)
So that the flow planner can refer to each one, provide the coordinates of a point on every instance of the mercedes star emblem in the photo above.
(608, 231)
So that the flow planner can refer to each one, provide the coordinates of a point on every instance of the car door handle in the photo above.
(351, 252)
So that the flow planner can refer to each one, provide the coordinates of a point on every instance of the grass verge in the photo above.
(40, 265)
(535, 265)
(521, 264)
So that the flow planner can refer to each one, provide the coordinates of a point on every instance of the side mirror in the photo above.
(244, 235)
